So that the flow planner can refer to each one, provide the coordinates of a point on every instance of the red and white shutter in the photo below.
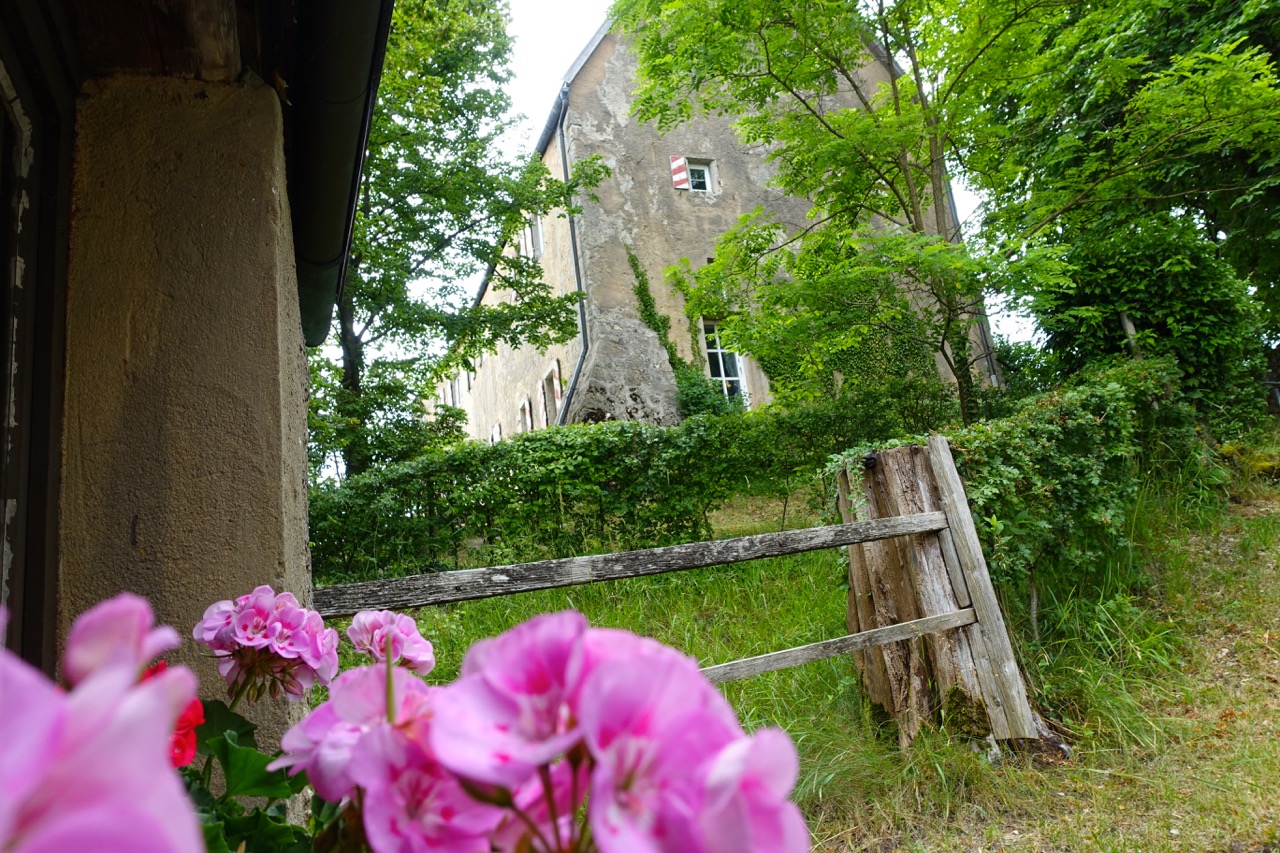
(679, 172)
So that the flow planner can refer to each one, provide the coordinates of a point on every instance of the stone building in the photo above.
(160, 278)
(670, 197)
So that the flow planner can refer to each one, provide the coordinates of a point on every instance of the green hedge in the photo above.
(1052, 485)
(588, 488)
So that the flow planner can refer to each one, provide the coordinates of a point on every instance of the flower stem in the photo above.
(537, 833)
(206, 774)
(548, 792)
(240, 693)
(391, 689)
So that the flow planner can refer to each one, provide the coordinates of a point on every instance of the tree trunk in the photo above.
(355, 450)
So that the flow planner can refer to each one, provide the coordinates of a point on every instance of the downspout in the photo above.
(577, 268)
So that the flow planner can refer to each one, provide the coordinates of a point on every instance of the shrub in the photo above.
(1052, 486)
(589, 488)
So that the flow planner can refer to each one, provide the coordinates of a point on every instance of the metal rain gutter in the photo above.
(577, 268)
(343, 46)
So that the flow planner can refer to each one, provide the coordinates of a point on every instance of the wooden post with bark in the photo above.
(967, 676)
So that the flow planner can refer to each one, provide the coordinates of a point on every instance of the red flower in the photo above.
(182, 747)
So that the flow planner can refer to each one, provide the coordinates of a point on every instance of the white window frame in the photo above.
(716, 356)
(495, 434)
(708, 178)
(551, 394)
(531, 237)
(526, 415)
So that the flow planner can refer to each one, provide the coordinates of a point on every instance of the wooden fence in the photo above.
(888, 616)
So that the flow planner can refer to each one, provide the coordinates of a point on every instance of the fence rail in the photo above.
(747, 667)
(466, 584)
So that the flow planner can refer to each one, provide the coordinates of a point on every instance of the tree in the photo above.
(1124, 109)
(1144, 139)
(867, 106)
(860, 115)
(1179, 295)
(438, 203)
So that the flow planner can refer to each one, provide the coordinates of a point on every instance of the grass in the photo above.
(1168, 686)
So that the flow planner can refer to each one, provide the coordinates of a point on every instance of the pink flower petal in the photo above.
(118, 631)
(32, 719)
(745, 806)
(510, 711)
(412, 804)
(98, 777)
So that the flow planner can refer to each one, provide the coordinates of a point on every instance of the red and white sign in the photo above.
(679, 172)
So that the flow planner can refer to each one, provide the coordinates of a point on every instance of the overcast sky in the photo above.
(548, 38)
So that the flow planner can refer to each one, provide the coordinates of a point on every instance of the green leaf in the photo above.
(215, 839)
(246, 771)
(264, 832)
(218, 720)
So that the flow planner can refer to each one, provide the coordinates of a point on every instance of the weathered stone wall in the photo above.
(185, 434)
(639, 207)
(625, 374)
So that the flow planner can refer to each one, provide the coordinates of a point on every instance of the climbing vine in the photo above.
(695, 393)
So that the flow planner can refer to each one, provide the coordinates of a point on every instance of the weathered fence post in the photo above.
(968, 676)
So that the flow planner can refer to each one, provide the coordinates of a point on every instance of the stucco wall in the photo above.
(639, 207)
(626, 374)
(184, 449)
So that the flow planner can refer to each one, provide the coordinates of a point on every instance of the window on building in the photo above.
(495, 434)
(690, 174)
(699, 178)
(724, 366)
(531, 237)
(526, 415)
(551, 394)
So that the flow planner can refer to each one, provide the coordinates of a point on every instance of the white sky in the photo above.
(548, 38)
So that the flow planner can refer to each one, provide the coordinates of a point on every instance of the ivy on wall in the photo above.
(695, 393)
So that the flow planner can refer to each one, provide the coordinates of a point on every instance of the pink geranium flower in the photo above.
(744, 802)
(120, 630)
(371, 629)
(412, 803)
(509, 712)
(90, 769)
(324, 742)
(266, 642)
(649, 723)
